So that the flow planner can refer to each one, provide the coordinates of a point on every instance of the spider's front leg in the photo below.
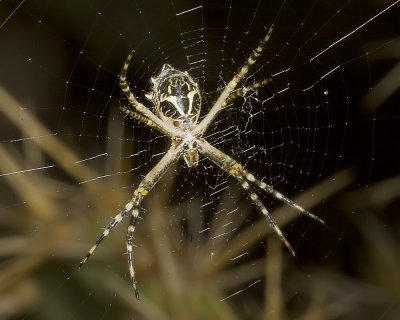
(226, 94)
(141, 118)
(148, 182)
(148, 117)
(234, 169)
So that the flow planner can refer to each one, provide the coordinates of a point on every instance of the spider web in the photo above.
(323, 131)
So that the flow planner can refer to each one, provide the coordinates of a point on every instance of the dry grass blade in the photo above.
(49, 143)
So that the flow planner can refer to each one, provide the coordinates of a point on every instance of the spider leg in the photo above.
(261, 184)
(129, 249)
(168, 129)
(144, 187)
(260, 206)
(266, 187)
(113, 223)
(233, 168)
(242, 91)
(143, 119)
(219, 104)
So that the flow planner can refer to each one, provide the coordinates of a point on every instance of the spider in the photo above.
(177, 102)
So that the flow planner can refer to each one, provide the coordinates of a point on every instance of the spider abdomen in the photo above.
(176, 97)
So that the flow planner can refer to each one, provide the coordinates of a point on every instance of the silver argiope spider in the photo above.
(177, 101)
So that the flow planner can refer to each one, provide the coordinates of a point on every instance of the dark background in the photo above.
(324, 131)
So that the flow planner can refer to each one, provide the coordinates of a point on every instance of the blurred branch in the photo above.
(48, 141)
(377, 195)
(389, 83)
(274, 307)
(40, 206)
(383, 90)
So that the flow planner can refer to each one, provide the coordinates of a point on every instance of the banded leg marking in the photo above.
(234, 169)
(221, 101)
(252, 59)
(242, 91)
(261, 207)
(173, 154)
(124, 85)
(143, 119)
(113, 223)
(129, 247)
(151, 119)
(263, 186)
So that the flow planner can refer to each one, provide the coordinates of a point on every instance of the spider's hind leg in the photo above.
(263, 186)
(235, 171)
(129, 248)
(113, 223)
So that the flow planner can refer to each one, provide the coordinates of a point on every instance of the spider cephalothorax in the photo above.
(176, 97)
(177, 101)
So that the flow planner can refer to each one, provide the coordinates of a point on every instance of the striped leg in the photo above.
(220, 103)
(242, 91)
(236, 170)
(260, 206)
(141, 118)
(142, 190)
(151, 117)
(113, 223)
(262, 185)
(129, 248)
(148, 182)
